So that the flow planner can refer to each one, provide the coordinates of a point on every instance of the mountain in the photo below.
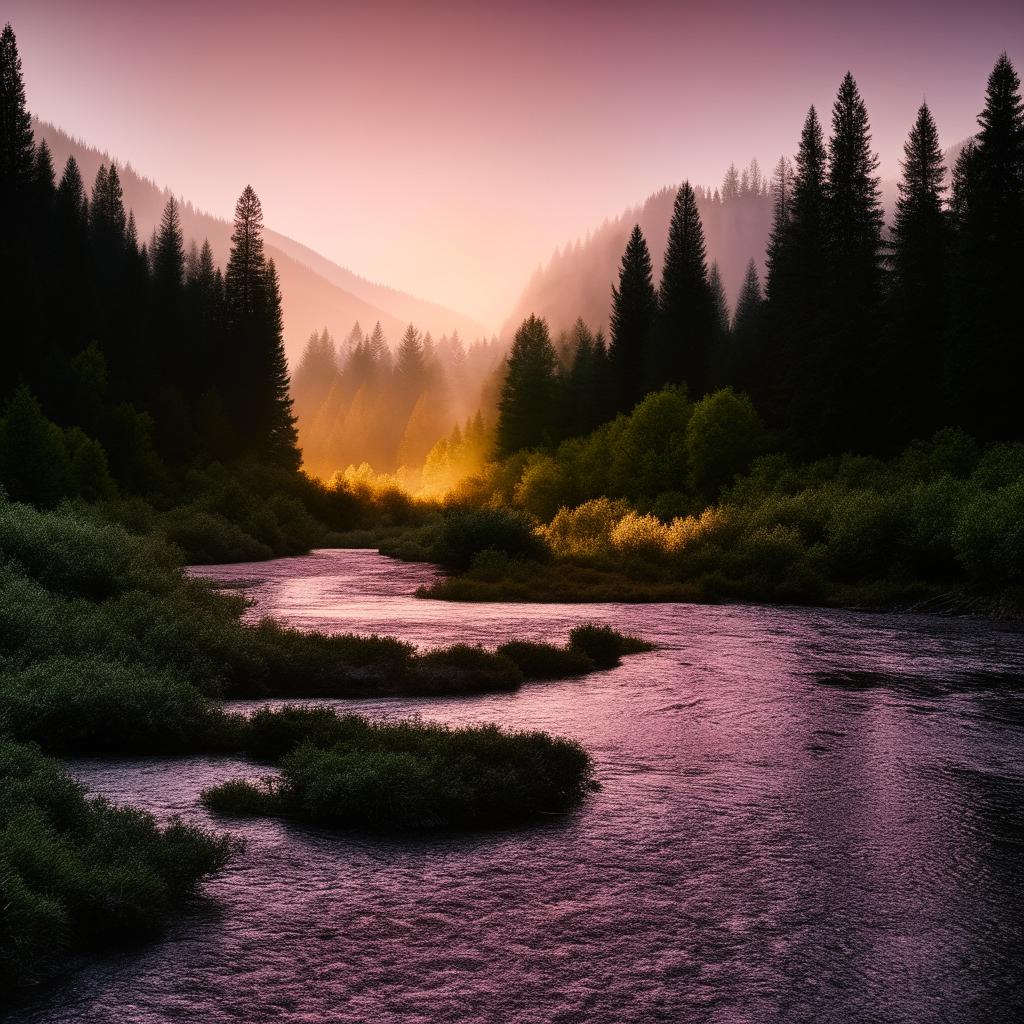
(315, 291)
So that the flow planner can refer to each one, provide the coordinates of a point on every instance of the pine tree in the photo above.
(580, 384)
(986, 353)
(789, 386)
(17, 147)
(280, 444)
(853, 380)
(747, 327)
(43, 183)
(529, 392)
(634, 308)
(684, 334)
(17, 239)
(242, 370)
(920, 281)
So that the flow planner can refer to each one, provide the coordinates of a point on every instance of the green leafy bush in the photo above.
(545, 661)
(351, 773)
(603, 645)
(468, 531)
(77, 873)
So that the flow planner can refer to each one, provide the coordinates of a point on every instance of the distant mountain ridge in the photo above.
(316, 292)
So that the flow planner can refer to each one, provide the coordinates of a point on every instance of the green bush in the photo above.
(87, 705)
(464, 668)
(467, 532)
(77, 873)
(545, 661)
(352, 773)
(603, 645)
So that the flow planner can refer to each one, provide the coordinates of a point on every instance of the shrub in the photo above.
(545, 661)
(465, 668)
(353, 773)
(466, 532)
(604, 646)
(76, 872)
(723, 437)
(87, 705)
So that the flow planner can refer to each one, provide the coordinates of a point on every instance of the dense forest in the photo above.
(858, 339)
(414, 414)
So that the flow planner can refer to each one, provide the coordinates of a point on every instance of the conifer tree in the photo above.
(243, 368)
(43, 182)
(852, 380)
(747, 327)
(789, 385)
(17, 147)
(986, 353)
(920, 280)
(280, 445)
(634, 308)
(529, 392)
(720, 359)
(580, 384)
(684, 334)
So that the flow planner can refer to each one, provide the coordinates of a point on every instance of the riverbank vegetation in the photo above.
(346, 772)
(78, 874)
(108, 648)
(934, 523)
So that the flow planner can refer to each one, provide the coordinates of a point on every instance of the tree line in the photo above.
(148, 353)
(860, 340)
(358, 402)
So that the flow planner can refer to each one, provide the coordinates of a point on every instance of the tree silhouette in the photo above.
(634, 308)
(529, 392)
(684, 336)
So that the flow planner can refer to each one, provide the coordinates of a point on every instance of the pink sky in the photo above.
(447, 149)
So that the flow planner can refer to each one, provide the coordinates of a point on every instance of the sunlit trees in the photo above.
(528, 396)
(634, 307)
(684, 334)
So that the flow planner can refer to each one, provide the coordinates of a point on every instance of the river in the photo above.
(770, 844)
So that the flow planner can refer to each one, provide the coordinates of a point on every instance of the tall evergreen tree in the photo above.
(747, 327)
(720, 358)
(986, 352)
(17, 146)
(280, 443)
(581, 384)
(685, 329)
(17, 176)
(788, 386)
(634, 308)
(853, 382)
(529, 393)
(920, 281)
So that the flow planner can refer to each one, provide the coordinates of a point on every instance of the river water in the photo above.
(771, 843)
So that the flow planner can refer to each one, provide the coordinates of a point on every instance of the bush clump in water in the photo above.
(466, 532)
(351, 773)
(546, 661)
(605, 646)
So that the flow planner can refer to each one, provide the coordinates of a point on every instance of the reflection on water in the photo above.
(806, 815)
